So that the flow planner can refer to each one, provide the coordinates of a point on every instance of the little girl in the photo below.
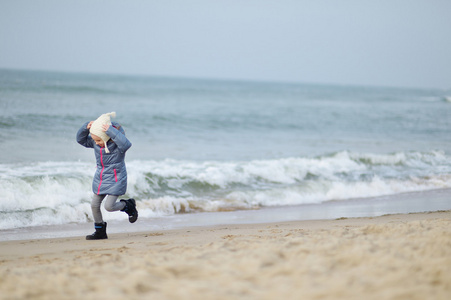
(110, 180)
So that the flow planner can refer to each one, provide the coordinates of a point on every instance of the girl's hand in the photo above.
(105, 127)
(89, 125)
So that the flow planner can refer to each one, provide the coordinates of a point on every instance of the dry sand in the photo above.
(390, 257)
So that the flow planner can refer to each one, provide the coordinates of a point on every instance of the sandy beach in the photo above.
(402, 256)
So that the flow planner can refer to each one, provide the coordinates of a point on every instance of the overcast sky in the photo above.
(384, 42)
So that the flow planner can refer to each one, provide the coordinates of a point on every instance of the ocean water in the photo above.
(215, 146)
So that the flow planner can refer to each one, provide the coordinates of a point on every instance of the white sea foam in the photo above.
(60, 192)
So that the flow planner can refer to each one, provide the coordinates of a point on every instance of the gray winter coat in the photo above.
(111, 174)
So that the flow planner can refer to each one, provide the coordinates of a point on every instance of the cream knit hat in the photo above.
(96, 127)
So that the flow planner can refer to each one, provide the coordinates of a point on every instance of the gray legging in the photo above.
(110, 205)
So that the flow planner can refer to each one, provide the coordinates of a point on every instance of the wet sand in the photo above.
(402, 256)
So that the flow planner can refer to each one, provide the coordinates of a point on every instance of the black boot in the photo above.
(130, 209)
(100, 233)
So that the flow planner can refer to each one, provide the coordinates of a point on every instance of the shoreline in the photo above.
(415, 202)
(400, 256)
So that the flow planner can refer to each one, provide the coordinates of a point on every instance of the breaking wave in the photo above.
(48, 193)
